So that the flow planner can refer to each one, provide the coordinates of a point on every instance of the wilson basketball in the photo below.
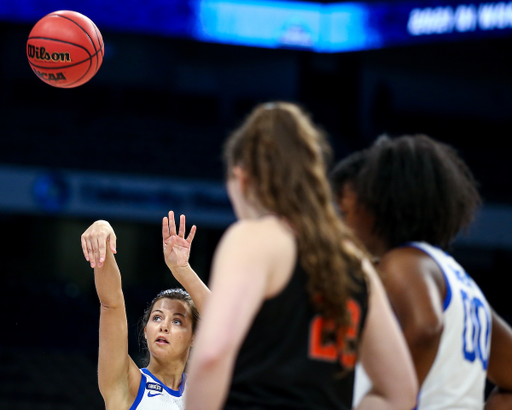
(65, 49)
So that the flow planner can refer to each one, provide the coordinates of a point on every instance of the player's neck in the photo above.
(255, 211)
(377, 247)
(168, 373)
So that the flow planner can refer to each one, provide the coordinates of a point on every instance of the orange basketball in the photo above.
(65, 49)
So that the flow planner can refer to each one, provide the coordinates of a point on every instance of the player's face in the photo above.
(355, 216)
(169, 330)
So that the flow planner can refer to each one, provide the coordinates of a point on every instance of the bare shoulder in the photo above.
(406, 266)
(267, 233)
(267, 244)
(400, 262)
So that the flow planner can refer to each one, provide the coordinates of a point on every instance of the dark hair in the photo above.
(173, 294)
(284, 156)
(347, 170)
(418, 189)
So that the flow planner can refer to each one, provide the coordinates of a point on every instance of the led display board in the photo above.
(318, 27)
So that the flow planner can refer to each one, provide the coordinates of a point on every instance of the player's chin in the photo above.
(161, 350)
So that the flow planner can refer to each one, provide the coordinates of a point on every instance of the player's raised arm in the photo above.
(118, 376)
(177, 253)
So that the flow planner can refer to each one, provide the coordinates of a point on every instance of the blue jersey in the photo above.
(456, 380)
(154, 395)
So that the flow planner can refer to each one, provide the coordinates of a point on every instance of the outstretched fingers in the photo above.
(191, 234)
(172, 223)
(165, 229)
(169, 229)
(182, 226)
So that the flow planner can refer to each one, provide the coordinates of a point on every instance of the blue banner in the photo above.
(102, 195)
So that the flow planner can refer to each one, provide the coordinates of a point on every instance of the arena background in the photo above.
(145, 135)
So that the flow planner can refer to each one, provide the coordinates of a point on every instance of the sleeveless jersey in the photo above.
(456, 380)
(154, 395)
(287, 362)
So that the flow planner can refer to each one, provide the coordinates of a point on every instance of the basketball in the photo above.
(65, 49)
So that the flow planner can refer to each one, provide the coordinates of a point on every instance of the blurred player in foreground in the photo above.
(294, 302)
(407, 199)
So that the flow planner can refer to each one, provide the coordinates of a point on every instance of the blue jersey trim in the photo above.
(417, 401)
(448, 297)
(175, 393)
(140, 393)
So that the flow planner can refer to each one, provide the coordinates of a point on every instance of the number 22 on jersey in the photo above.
(328, 344)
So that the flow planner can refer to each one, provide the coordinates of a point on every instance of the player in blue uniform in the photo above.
(406, 199)
(168, 324)
(289, 311)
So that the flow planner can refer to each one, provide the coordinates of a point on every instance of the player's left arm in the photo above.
(177, 253)
(417, 300)
(499, 370)
(239, 282)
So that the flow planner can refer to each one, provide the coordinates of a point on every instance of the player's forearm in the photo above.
(499, 400)
(108, 283)
(193, 284)
(374, 401)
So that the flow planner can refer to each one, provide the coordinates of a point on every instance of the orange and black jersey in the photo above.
(286, 362)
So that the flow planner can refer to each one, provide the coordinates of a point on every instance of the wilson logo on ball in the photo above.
(42, 55)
